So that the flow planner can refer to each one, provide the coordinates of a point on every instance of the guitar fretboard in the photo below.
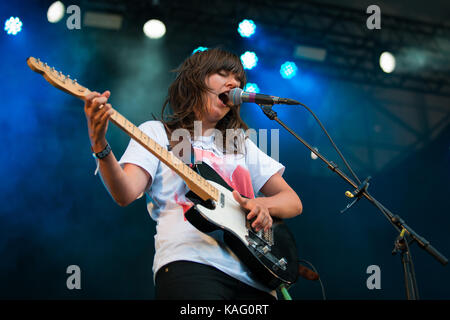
(194, 181)
(199, 185)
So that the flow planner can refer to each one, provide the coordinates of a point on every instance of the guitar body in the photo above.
(271, 256)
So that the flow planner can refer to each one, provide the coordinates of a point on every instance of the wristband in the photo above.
(103, 153)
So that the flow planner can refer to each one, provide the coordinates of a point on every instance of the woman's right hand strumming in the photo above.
(98, 112)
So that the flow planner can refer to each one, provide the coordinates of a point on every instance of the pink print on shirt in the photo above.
(237, 177)
(186, 205)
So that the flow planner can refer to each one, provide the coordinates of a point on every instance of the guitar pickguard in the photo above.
(272, 256)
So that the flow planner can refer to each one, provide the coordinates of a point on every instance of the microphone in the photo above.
(237, 96)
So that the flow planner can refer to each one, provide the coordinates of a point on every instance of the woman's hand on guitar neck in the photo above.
(97, 112)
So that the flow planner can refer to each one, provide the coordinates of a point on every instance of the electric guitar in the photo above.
(271, 256)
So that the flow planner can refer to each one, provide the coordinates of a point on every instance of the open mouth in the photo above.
(224, 97)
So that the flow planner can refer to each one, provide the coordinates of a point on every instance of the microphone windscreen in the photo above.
(235, 96)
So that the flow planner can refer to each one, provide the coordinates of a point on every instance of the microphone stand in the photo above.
(402, 242)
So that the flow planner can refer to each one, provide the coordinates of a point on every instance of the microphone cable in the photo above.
(332, 142)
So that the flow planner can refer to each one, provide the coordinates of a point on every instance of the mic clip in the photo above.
(357, 194)
(400, 244)
(268, 111)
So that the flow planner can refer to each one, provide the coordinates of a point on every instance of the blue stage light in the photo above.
(251, 87)
(13, 26)
(249, 60)
(199, 49)
(247, 28)
(288, 70)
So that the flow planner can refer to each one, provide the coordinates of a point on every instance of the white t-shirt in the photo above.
(176, 239)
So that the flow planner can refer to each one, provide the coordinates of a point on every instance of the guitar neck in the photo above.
(194, 181)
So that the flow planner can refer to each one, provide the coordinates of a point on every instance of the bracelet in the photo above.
(103, 153)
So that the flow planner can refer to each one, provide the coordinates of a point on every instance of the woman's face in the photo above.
(217, 103)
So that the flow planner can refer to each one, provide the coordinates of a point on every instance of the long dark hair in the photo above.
(186, 94)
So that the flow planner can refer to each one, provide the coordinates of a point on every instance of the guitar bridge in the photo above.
(263, 249)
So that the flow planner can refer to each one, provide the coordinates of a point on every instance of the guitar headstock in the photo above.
(57, 79)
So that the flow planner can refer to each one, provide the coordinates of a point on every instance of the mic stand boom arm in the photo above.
(394, 219)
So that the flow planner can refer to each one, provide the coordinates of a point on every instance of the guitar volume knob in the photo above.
(282, 263)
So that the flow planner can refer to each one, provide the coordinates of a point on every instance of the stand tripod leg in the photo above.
(410, 277)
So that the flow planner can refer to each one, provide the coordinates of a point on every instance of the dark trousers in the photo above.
(185, 280)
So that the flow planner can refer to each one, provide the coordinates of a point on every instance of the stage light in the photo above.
(199, 49)
(251, 87)
(55, 12)
(246, 28)
(154, 29)
(313, 155)
(13, 26)
(249, 60)
(387, 62)
(288, 70)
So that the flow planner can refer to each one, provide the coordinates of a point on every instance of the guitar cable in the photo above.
(320, 279)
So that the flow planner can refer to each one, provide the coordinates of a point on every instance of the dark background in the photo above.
(395, 127)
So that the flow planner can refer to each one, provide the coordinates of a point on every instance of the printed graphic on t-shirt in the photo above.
(237, 177)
